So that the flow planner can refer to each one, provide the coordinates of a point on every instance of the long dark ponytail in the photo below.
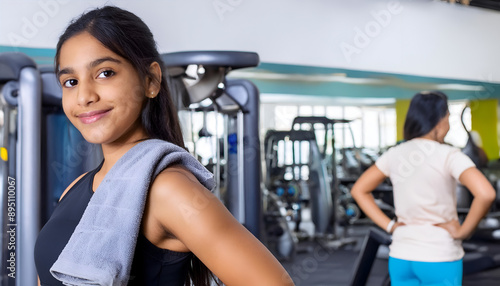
(128, 36)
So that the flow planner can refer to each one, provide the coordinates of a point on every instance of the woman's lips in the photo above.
(93, 116)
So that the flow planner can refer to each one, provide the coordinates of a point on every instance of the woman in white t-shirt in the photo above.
(426, 238)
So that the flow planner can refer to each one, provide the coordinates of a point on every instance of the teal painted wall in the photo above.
(309, 80)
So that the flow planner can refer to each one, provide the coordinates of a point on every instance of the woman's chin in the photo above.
(94, 139)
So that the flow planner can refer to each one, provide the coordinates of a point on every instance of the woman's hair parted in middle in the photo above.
(425, 111)
(128, 36)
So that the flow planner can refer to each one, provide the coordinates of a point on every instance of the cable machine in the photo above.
(237, 163)
(42, 153)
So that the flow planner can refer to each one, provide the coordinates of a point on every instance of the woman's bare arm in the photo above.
(362, 193)
(203, 224)
(484, 195)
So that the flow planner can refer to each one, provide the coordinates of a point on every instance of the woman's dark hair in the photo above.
(128, 36)
(425, 111)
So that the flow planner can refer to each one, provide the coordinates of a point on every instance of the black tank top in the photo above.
(151, 265)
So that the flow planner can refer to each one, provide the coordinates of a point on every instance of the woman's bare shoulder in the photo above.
(71, 185)
(176, 185)
(175, 177)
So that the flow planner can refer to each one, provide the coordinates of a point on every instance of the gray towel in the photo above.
(101, 250)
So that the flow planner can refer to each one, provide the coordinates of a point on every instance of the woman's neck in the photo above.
(428, 137)
(431, 136)
(112, 152)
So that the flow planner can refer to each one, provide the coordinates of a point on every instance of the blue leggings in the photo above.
(410, 273)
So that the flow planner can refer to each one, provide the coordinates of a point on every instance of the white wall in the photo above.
(420, 37)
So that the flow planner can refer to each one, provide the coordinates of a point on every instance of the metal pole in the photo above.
(241, 167)
(217, 153)
(28, 174)
(191, 113)
(5, 172)
(226, 149)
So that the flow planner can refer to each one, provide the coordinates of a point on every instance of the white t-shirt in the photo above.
(424, 175)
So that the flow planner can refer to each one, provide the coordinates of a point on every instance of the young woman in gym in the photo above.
(426, 237)
(116, 95)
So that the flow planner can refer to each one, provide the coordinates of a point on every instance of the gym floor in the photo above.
(314, 266)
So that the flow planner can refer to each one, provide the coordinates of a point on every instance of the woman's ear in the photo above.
(153, 83)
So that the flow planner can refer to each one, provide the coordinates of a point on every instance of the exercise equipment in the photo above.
(303, 168)
(344, 210)
(492, 172)
(238, 101)
(293, 158)
(21, 136)
(489, 228)
(477, 155)
(367, 255)
(237, 156)
(45, 154)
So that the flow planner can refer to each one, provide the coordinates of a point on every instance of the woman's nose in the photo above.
(86, 94)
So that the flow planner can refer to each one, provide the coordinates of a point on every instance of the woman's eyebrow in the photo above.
(64, 71)
(97, 62)
(92, 64)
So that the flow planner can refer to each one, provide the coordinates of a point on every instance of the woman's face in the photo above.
(102, 92)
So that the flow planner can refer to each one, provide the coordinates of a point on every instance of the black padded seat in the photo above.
(227, 59)
(211, 82)
(317, 119)
(51, 89)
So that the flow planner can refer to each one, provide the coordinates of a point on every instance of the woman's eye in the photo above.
(106, 73)
(70, 83)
